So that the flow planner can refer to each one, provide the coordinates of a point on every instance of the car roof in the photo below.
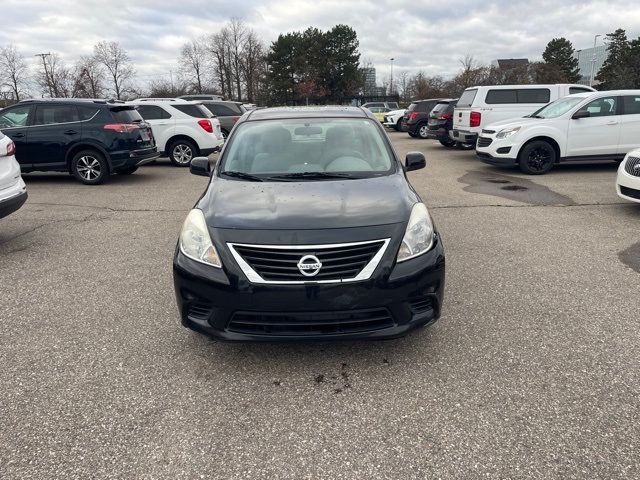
(308, 112)
(429, 100)
(73, 100)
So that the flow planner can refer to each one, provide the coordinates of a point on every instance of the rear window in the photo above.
(224, 109)
(192, 110)
(467, 98)
(412, 107)
(520, 95)
(126, 115)
(440, 108)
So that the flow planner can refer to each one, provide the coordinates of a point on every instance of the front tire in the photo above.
(181, 152)
(399, 125)
(537, 157)
(423, 131)
(90, 167)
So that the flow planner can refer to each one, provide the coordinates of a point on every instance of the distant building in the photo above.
(509, 63)
(369, 80)
(586, 58)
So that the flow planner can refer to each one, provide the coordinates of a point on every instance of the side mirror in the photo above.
(415, 161)
(200, 166)
(581, 114)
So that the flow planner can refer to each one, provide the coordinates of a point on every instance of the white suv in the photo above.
(580, 127)
(628, 180)
(394, 119)
(480, 106)
(182, 129)
(13, 192)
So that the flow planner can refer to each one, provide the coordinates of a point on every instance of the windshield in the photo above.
(557, 108)
(309, 148)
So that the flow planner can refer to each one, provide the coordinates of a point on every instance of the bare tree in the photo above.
(13, 70)
(218, 47)
(193, 63)
(54, 77)
(252, 64)
(117, 62)
(237, 35)
(89, 76)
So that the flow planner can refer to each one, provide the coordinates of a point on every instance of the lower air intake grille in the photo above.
(421, 305)
(632, 167)
(630, 192)
(199, 311)
(484, 142)
(301, 324)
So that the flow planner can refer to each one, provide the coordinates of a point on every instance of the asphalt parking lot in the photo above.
(532, 372)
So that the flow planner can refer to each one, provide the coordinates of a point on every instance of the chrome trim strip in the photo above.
(254, 277)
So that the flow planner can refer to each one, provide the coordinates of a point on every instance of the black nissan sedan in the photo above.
(308, 229)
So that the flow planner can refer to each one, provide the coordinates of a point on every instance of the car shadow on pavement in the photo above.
(67, 179)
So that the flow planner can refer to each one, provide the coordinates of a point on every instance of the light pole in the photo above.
(391, 80)
(593, 60)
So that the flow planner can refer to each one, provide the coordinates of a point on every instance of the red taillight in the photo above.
(474, 119)
(11, 149)
(206, 125)
(445, 116)
(413, 115)
(122, 127)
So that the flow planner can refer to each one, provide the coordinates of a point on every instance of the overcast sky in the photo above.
(420, 34)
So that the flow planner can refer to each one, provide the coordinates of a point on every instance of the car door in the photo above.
(14, 124)
(162, 123)
(629, 124)
(597, 134)
(55, 128)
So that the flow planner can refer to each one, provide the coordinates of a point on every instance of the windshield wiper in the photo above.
(312, 175)
(535, 116)
(242, 175)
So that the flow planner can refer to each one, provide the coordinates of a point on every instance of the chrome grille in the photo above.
(279, 263)
(632, 167)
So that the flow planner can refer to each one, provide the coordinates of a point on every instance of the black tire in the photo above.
(90, 167)
(411, 134)
(126, 170)
(537, 157)
(399, 125)
(465, 146)
(225, 134)
(181, 152)
(423, 131)
(448, 143)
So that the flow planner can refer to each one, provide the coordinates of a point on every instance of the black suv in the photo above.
(441, 123)
(90, 139)
(416, 118)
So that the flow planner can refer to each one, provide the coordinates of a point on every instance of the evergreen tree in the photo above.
(561, 54)
(615, 70)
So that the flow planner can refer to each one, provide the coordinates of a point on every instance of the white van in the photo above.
(480, 106)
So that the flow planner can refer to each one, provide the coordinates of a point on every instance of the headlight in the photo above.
(507, 132)
(195, 241)
(418, 238)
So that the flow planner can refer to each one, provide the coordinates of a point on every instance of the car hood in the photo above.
(396, 112)
(307, 204)
(514, 122)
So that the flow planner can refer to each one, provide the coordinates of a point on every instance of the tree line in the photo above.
(310, 66)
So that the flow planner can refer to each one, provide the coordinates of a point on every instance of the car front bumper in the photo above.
(627, 186)
(496, 151)
(409, 295)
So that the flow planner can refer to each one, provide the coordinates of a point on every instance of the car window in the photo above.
(467, 98)
(631, 104)
(602, 107)
(86, 113)
(440, 108)
(14, 116)
(126, 115)
(501, 96)
(153, 112)
(425, 106)
(52, 114)
(266, 148)
(412, 107)
(533, 95)
(191, 110)
(222, 110)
